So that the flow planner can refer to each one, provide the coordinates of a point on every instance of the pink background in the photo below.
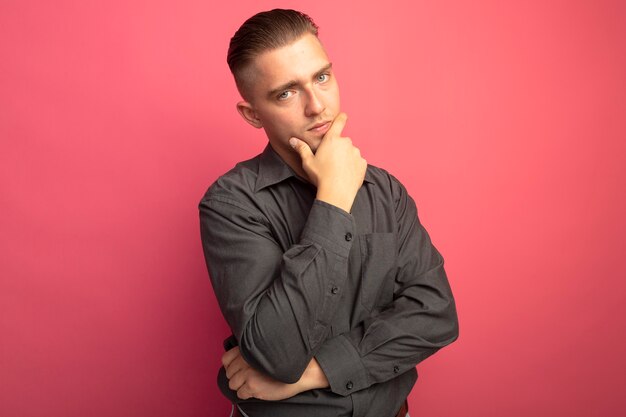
(505, 120)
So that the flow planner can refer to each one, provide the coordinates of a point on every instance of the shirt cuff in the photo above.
(342, 366)
(330, 227)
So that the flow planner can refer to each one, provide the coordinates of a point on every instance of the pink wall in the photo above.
(506, 121)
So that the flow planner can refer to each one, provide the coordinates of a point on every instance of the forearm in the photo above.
(313, 377)
(249, 382)
(420, 319)
(391, 343)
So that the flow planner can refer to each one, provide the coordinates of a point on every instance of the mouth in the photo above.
(320, 128)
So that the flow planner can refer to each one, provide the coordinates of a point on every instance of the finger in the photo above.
(301, 147)
(237, 381)
(235, 366)
(243, 393)
(229, 356)
(337, 127)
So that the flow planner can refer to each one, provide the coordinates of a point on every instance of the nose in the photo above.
(314, 104)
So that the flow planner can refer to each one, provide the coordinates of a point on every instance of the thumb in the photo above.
(301, 147)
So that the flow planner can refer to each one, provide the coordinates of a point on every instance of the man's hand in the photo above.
(248, 382)
(336, 169)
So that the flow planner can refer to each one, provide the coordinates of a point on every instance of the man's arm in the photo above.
(421, 319)
(249, 382)
(279, 305)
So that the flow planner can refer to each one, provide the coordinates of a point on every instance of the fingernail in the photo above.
(293, 142)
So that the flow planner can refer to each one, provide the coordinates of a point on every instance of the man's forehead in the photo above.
(298, 60)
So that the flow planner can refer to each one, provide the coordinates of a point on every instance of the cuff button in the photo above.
(348, 237)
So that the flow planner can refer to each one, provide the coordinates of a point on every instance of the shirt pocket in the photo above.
(378, 269)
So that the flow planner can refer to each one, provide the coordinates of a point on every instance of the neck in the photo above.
(293, 160)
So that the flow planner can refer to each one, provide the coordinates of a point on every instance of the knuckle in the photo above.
(252, 385)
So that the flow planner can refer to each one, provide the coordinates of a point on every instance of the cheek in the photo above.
(332, 99)
(333, 91)
(283, 121)
(281, 126)
(337, 96)
(287, 119)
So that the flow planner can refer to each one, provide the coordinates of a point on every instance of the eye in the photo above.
(284, 95)
(322, 78)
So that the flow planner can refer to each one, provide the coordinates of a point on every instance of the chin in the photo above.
(314, 141)
(314, 145)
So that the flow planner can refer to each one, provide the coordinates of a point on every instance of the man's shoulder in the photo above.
(383, 179)
(238, 183)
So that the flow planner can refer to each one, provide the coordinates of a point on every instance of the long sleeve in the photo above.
(278, 304)
(420, 320)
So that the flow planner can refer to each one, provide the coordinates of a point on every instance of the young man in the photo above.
(330, 284)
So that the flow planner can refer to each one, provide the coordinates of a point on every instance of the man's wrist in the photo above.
(342, 201)
(313, 377)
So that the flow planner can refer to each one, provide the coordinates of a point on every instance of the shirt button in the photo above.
(334, 290)
(396, 369)
(348, 236)
(349, 385)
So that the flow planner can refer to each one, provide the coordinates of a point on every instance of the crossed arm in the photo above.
(250, 382)
(279, 355)
(262, 313)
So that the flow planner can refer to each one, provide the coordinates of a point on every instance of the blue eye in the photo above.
(284, 95)
(323, 78)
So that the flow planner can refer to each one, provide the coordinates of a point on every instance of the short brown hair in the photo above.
(262, 32)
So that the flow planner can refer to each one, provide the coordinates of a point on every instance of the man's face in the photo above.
(292, 92)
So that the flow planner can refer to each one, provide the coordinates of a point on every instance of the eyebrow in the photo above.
(293, 83)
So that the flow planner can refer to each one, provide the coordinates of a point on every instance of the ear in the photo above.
(246, 111)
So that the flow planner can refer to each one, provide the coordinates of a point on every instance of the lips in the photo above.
(321, 127)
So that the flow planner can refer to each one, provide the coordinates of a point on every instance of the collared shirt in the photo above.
(365, 292)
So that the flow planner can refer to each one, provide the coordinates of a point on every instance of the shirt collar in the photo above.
(272, 170)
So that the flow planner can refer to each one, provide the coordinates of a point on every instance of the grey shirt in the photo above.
(365, 292)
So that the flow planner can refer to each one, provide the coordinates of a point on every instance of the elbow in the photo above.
(287, 372)
(454, 329)
(288, 376)
(281, 366)
(450, 325)
(444, 322)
